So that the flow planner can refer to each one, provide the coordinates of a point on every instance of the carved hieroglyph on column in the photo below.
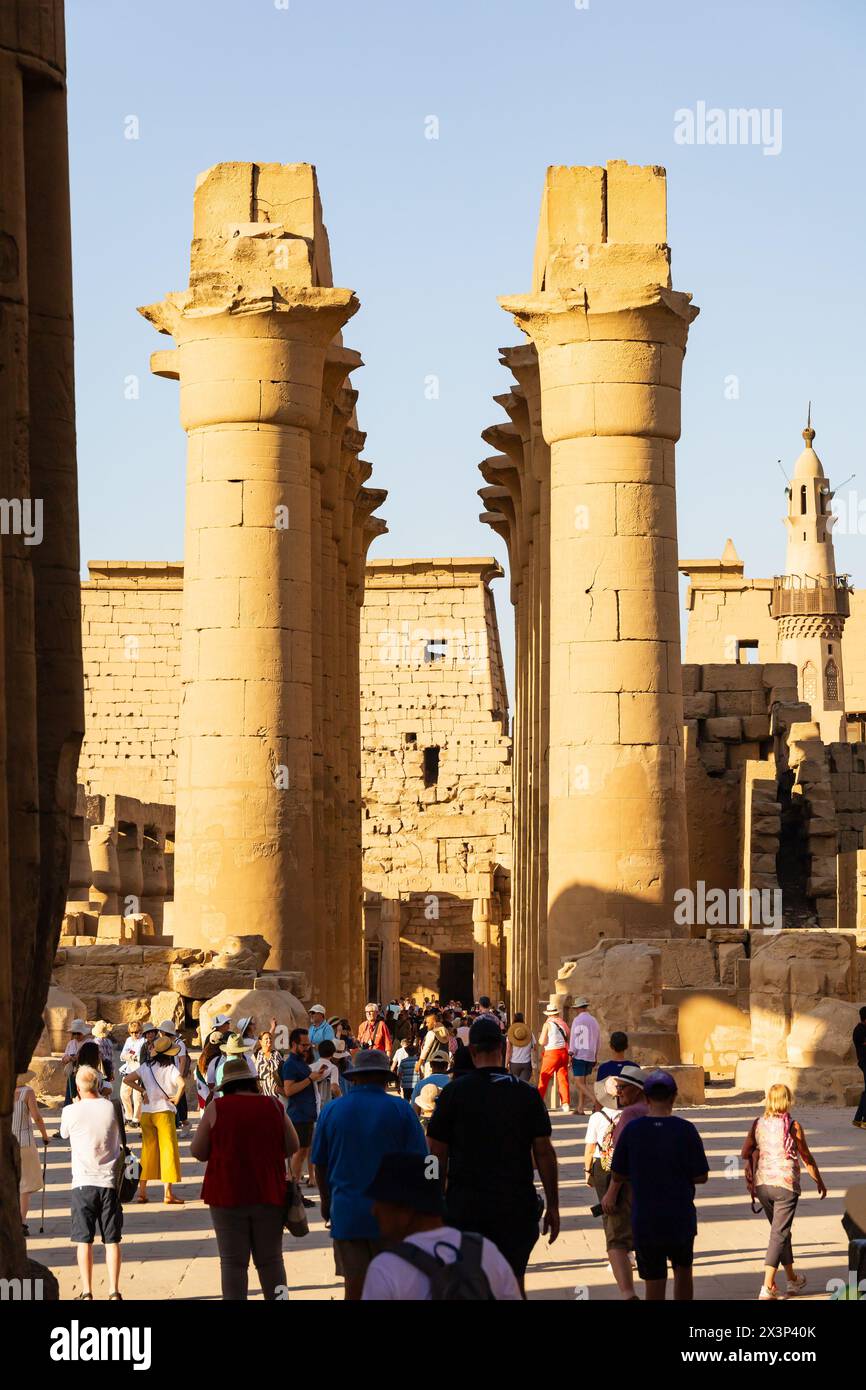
(610, 335)
(253, 332)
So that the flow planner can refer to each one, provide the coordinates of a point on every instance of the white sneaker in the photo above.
(796, 1285)
(771, 1294)
(565, 1110)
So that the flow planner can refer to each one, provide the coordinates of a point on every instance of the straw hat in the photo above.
(236, 1047)
(235, 1069)
(166, 1047)
(519, 1035)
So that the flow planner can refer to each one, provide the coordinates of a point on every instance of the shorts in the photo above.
(652, 1259)
(617, 1228)
(304, 1130)
(92, 1207)
(579, 1068)
(352, 1257)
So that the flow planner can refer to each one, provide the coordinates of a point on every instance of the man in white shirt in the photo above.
(90, 1125)
(407, 1203)
(583, 1050)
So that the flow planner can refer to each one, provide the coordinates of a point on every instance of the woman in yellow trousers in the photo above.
(162, 1086)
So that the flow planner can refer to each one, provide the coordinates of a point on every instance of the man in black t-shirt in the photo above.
(859, 1040)
(489, 1131)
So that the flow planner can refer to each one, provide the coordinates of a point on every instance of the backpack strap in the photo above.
(471, 1251)
(427, 1264)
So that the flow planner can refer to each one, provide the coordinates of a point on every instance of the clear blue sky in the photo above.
(430, 232)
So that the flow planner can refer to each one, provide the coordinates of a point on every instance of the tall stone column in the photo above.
(610, 335)
(389, 936)
(253, 331)
(485, 978)
(339, 363)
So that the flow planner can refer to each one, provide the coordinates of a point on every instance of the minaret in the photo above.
(810, 600)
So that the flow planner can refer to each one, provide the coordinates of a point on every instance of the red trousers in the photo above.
(555, 1064)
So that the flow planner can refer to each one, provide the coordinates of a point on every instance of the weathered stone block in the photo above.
(202, 982)
(726, 730)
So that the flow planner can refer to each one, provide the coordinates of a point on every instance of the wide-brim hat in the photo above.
(221, 1020)
(367, 1061)
(405, 1180)
(519, 1035)
(168, 1028)
(633, 1076)
(236, 1047)
(581, 1003)
(78, 1025)
(149, 1027)
(427, 1097)
(101, 1029)
(243, 1024)
(166, 1047)
(235, 1069)
(551, 1010)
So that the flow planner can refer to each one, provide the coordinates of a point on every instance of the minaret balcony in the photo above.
(795, 594)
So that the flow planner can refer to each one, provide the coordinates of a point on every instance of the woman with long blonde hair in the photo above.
(774, 1147)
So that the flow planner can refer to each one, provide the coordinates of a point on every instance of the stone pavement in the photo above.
(170, 1252)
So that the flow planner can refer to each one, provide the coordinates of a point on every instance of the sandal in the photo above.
(175, 1201)
(142, 1198)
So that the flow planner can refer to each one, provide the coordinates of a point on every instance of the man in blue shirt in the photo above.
(320, 1029)
(299, 1088)
(352, 1137)
(662, 1156)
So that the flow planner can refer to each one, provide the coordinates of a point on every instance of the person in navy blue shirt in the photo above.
(352, 1137)
(299, 1088)
(663, 1157)
(620, 1059)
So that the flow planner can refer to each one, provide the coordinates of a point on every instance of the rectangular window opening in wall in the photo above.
(747, 651)
(431, 767)
(435, 650)
(410, 738)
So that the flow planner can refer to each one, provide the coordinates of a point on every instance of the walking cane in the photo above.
(44, 1163)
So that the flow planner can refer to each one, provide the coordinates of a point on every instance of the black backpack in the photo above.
(461, 1280)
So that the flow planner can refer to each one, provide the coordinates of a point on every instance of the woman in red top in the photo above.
(245, 1139)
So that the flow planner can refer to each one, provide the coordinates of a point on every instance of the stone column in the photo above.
(484, 977)
(339, 363)
(105, 869)
(523, 363)
(610, 335)
(389, 936)
(253, 331)
(154, 889)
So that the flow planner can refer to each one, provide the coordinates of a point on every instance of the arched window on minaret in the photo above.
(831, 680)
(810, 683)
(803, 499)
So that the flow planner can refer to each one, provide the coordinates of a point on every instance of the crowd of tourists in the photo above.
(425, 1135)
